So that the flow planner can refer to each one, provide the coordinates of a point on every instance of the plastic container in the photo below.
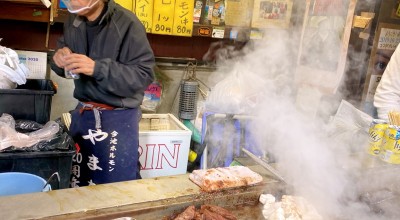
(31, 101)
(14, 183)
(41, 163)
(224, 136)
(164, 144)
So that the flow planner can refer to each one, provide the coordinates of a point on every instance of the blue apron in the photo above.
(107, 146)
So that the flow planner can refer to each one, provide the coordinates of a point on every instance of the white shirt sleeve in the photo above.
(387, 95)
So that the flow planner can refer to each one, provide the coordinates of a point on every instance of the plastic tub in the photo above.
(14, 183)
(31, 101)
(43, 164)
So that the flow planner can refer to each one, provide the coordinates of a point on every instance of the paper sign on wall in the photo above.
(163, 16)
(218, 32)
(144, 11)
(389, 39)
(237, 13)
(183, 19)
(36, 62)
(272, 13)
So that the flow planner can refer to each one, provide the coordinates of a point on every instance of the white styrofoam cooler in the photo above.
(164, 144)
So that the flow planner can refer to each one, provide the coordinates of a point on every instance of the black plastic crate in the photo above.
(42, 163)
(31, 101)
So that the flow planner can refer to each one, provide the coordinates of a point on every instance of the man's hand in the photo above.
(59, 56)
(79, 64)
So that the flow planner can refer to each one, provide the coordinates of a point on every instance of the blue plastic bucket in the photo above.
(13, 183)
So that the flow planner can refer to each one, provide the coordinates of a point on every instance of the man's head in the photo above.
(80, 6)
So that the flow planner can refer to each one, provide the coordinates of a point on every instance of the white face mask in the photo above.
(74, 10)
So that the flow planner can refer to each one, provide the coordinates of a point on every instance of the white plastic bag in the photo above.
(350, 125)
(10, 137)
(12, 71)
(6, 83)
(349, 119)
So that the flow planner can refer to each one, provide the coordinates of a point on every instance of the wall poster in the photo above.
(271, 13)
(237, 13)
(324, 43)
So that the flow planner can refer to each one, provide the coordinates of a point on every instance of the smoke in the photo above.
(292, 125)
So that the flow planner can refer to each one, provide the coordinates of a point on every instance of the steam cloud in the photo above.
(294, 129)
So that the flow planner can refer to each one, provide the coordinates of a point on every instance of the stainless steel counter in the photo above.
(141, 199)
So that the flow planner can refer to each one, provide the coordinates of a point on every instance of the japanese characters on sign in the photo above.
(218, 32)
(204, 31)
(389, 39)
(76, 169)
(144, 11)
(163, 16)
(113, 149)
(92, 161)
(183, 19)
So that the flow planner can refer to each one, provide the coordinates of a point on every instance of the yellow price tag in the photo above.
(183, 18)
(144, 11)
(163, 16)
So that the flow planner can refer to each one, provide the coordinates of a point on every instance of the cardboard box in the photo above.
(164, 144)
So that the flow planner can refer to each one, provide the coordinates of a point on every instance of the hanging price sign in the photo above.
(163, 16)
(183, 19)
(144, 11)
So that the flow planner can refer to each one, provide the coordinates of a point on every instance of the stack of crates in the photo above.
(32, 101)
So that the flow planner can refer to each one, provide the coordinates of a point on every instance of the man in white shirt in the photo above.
(387, 95)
